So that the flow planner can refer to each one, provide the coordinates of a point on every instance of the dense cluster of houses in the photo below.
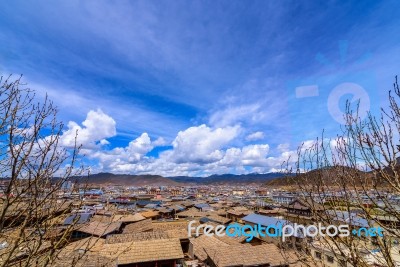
(143, 227)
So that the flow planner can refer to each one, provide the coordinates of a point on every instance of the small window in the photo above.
(318, 255)
(329, 259)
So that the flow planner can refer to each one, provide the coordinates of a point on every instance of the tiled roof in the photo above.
(238, 255)
(144, 251)
(273, 211)
(92, 244)
(171, 225)
(202, 242)
(192, 212)
(128, 218)
(123, 238)
(231, 240)
(141, 226)
(304, 204)
(278, 256)
(218, 219)
(150, 213)
(239, 211)
(122, 253)
(99, 228)
(89, 259)
(164, 210)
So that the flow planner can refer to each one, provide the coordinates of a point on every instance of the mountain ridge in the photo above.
(155, 180)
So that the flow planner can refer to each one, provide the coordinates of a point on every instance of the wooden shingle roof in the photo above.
(219, 219)
(238, 255)
(205, 242)
(99, 229)
(144, 251)
(128, 218)
(192, 212)
(277, 256)
(124, 238)
(150, 213)
(141, 226)
(89, 259)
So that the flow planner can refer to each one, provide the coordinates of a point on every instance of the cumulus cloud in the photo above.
(95, 128)
(255, 136)
(253, 155)
(198, 150)
(201, 143)
(283, 147)
(120, 158)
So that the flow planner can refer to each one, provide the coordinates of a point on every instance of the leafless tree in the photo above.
(354, 179)
(34, 167)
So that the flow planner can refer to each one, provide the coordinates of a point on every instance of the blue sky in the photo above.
(199, 87)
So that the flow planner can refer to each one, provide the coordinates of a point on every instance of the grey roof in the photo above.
(349, 218)
(151, 206)
(202, 205)
(263, 220)
(80, 217)
(267, 221)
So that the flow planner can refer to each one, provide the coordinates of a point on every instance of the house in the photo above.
(96, 228)
(387, 220)
(218, 219)
(237, 213)
(154, 252)
(271, 212)
(227, 251)
(126, 219)
(165, 212)
(238, 255)
(151, 214)
(350, 218)
(139, 253)
(141, 226)
(257, 219)
(203, 206)
(297, 239)
(78, 218)
(283, 198)
(198, 245)
(303, 208)
(192, 212)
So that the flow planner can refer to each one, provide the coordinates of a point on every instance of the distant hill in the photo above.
(127, 179)
(329, 176)
(157, 180)
(230, 178)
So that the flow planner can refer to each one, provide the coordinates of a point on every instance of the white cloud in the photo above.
(253, 155)
(120, 158)
(255, 152)
(283, 147)
(104, 142)
(255, 136)
(97, 127)
(201, 143)
(235, 114)
(198, 150)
